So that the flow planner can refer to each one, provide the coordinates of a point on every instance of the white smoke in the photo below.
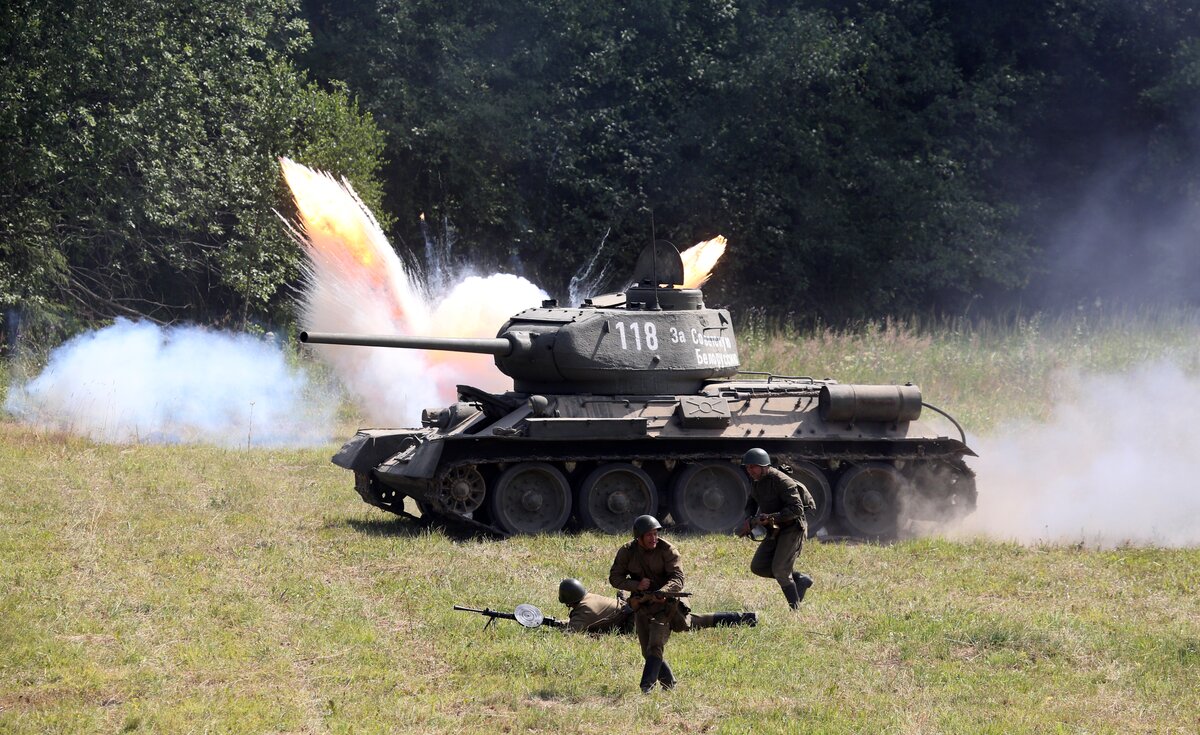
(1115, 465)
(588, 280)
(138, 382)
(355, 283)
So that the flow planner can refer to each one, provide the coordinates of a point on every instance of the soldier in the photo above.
(650, 564)
(592, 613)
(777, 501)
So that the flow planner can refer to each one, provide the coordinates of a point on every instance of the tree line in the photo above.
(863, 158)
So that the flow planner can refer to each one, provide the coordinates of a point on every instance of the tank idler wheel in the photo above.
(613, 495)
(531, 497)
(709, 497)
(814, 479)
(461, 489)
(946, 491)
(868, 500)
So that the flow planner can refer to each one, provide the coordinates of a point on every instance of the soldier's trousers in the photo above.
(653, 623)
(776, 557)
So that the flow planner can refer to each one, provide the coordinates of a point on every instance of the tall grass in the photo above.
(983, 372)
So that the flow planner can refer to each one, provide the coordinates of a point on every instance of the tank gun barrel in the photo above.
(497, 346)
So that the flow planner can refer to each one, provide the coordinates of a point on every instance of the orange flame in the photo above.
(700, 259)
(356, 283)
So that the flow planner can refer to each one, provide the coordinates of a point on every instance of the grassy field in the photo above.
(191, 589)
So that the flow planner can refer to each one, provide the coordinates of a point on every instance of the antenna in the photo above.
(654, 306)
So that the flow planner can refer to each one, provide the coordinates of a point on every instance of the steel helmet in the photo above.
(642, 524)
(757, 456)
(570, 591)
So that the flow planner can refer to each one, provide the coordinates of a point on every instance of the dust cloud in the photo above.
(139, 382)
(1115, 465)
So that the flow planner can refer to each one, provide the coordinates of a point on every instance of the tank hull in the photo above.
(537, 464)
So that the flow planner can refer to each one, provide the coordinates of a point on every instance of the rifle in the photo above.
(527, 615)
(637, 599)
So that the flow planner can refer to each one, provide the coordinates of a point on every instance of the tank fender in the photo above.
(852, 403)
(418, 461)
(369, 447)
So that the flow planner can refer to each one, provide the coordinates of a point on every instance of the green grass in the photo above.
(186, 589)
(172, 589)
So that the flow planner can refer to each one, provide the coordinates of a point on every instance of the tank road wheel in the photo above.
(461, 489)
(868, 500)
(613, 495)
(709, 497)
(531, 497)
(814, 479)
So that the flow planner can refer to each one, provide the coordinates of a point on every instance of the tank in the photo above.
(635, 403)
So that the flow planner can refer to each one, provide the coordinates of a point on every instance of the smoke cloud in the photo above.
(1114, 466)
(356, 283)
(138, 382)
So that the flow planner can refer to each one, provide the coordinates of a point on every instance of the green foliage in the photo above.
(139, 148)
(839, 156)
(865, 158)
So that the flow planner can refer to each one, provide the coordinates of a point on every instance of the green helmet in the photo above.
(757, 456)
(570, 591)
(642, 524)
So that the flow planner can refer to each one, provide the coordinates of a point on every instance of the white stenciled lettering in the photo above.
(716, 359)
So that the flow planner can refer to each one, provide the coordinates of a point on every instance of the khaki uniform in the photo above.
(600, 614)
(777, 493)
(652, 621)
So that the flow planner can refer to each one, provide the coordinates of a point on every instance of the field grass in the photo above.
(985, 374)
(165, 589)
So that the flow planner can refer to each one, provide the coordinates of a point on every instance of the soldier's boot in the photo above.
(732, 618)
(666, 677)
(726, 619)
(793, 597)
(650, 671)
(803, 582)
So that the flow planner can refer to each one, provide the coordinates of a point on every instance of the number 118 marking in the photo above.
(646, 331)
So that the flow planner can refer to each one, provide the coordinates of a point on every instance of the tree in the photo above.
(840, 154)
(139, 143)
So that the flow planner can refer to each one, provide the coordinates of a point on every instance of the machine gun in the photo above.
(637, 599)
(527, 615)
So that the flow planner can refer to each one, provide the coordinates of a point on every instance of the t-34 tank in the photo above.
(633, 403)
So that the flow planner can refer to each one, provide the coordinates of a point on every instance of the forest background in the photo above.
(864, 159)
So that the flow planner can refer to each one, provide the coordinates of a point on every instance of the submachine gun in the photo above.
(759, 528)
(637, 599)
(527, 615)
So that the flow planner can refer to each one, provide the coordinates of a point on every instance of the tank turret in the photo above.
(631, 404)
(652, 339)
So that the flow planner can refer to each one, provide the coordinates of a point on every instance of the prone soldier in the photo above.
(593, 613)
